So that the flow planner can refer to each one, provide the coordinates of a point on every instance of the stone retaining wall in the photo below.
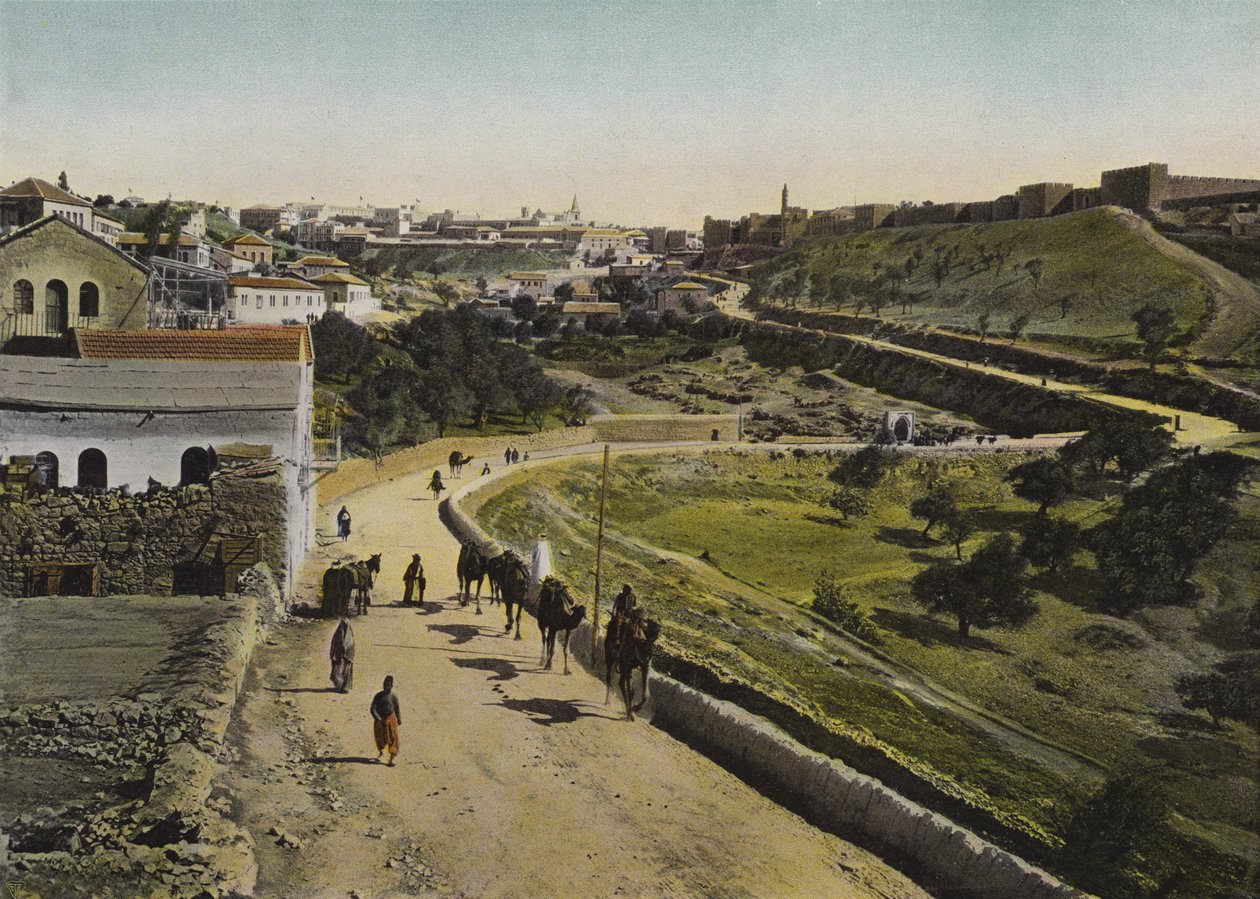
(947, 856)
(136, 540)
(175, 841)
(665, 428)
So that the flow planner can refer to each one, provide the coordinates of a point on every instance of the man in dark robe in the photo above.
(413, 578)
(342, 655)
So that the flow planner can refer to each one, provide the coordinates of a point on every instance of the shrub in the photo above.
(830, 603)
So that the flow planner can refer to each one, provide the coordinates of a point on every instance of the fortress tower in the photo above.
(783, 217)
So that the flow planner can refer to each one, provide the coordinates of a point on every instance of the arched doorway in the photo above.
(49, 469)
(901, 429)
(93, 469)
(194, 466)
(56, 307)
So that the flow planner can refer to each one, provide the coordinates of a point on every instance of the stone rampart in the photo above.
(839, 798)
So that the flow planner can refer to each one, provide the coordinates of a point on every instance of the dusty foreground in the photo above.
(511, 782)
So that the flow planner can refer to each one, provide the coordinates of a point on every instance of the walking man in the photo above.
(341, 653)
(413, 577)
(436, 485)
(516, 456)
(507, 456)
(386, 717)
(343, 523)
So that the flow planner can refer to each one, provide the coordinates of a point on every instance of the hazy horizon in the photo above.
(650, 113)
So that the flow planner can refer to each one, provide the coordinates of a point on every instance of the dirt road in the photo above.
(511, 782)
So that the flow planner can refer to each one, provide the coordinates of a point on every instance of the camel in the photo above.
(495, 569)
(632, 650)
(457, 461)
(470, 568)
(510, 577)
(556, 612)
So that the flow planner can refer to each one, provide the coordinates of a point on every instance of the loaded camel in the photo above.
(556, 612)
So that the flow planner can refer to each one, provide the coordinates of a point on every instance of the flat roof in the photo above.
(147, 384)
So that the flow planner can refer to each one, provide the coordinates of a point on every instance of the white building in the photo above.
(273, 301)
(31, 199)
(192, 250)
(345, 293)
(598, 241)
(532, 283)
(144, 404)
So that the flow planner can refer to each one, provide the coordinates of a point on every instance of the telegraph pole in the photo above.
(599, 552)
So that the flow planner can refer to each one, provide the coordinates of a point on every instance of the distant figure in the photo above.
(507, 456)
(341, 653)
(343, 523)
(436, 485)
(413, 577)
(526, 459)
(516, 457)
(539, 564)
(485, 469)
(386, 717)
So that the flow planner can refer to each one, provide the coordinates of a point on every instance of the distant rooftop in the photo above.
(273, 283)
(252, 240)
(338, 278)
(37, 187)
(322, 260)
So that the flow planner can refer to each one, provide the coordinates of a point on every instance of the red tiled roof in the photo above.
(252, 240)
(338, 278)
(249, 343)
(316, 261)
(135, 238)
(37, 187)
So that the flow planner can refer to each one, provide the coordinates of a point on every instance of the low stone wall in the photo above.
(136, 540)
(861, 808)
(355, 474)
(665, 428)
(175, 841)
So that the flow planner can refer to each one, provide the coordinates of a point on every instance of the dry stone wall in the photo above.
(136, 540)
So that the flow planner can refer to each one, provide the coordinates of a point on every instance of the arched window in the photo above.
(89, 300)
(92, 469)
(56, 307)
(23, 297)
(48, 467)
(194, 466)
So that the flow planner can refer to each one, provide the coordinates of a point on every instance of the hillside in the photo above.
(463, 263)
(1075, 280)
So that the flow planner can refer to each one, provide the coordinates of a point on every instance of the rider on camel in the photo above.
(625, 604)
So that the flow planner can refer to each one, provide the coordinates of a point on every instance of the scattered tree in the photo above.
(445, 292)
(564, 292)
(1049, 541)
(958, 528)
(103, 200)
(524, 307)
(1131, 446)
(988, 589)
(863, 470)
(1044, 480)
(850, 502)
(342, 348)
(1036, 268)
(937, 505)
(982, 325)
(1156, 327)
(1016, 328)
(1112, 839)
(63, 182)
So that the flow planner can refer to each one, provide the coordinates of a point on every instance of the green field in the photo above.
(1093, 261)
(1015, 726)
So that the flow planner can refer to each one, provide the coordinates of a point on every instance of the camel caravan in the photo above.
(513, 583)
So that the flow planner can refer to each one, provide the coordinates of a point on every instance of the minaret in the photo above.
(783, 218)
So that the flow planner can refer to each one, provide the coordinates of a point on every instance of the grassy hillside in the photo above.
(1072, 694)
(462, 263)
(1096, 269)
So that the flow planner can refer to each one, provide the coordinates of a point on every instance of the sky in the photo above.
(651, 113)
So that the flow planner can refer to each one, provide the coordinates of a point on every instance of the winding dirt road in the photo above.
(511, 782)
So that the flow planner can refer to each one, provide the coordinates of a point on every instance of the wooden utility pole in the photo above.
(599, 552)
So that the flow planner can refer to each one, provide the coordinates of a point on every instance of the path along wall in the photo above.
(1003, 405)
(1169, 388)
(948, 856)
(664, 428)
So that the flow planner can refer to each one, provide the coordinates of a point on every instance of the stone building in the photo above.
(590, 314)
(533, 284)
(274, 301)
(312, 266)
(345, 293)
(251, 247)
(869, 216)
(679, 297)
(192, 249)
(55, 275)
(260, 218)
(143, 407)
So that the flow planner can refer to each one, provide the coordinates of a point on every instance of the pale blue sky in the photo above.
(650, 112)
